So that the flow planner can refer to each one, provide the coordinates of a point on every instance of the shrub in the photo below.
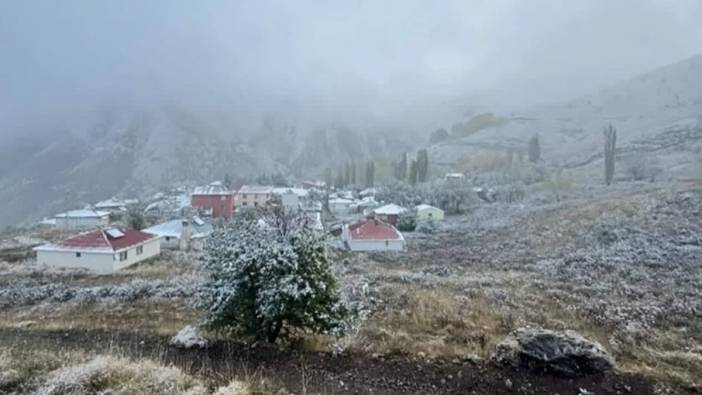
(407, 221)
(271, 276)
(640, 168)
(427, 227)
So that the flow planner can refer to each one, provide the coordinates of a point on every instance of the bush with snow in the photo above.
(407, 221)
(271, 276)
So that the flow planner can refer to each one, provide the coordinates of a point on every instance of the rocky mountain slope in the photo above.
(138, 151)
(659, 112)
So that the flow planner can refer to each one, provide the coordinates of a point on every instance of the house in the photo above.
(368, 203)
(389, 213)
(111, 205)
(182, 234)
(291, 198)
(103, 251)
(82, 219)
(426, 212)
(340, 206)
(251, 196)
(367, 192)
(372, 235)
(216, 199)
(455, 177)
(319, 185)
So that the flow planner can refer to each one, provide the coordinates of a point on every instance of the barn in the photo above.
(389, 213)
(103, 251)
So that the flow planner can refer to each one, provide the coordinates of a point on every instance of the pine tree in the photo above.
(353, 174)
(328, 177)
(347, 174)
(265, 280)
(610, 147)
(534, 149)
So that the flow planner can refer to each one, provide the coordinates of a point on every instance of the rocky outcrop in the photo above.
(566, 353)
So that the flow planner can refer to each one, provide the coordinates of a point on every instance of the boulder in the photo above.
(189, 337)
(566, 353)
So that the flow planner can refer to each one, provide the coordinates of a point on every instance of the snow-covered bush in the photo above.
(407, 221)
(269, 277)
(427, 227)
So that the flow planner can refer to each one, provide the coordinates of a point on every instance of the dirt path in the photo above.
(319, 372)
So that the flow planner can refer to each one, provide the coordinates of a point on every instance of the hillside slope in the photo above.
(664, 105)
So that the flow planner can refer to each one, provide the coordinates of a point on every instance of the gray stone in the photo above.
(567, 353)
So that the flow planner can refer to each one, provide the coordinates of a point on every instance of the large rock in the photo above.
(189, 337)
(567, 353)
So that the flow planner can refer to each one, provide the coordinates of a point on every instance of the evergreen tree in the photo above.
(328, 179)
(422, 165)
(413, 173)
(266, 280)
(534, 149)
(354, 182)
(370, 174)
(610, 147)
(402, 167)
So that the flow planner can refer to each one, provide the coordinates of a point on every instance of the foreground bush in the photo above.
(270, 276)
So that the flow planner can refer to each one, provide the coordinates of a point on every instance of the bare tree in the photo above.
(534, 149)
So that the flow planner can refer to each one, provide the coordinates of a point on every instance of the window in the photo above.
(244, 204)
(123, 256)
(223, 198)
(140, 250)
(255, 204)
(77, 254)
(429, 215)
(168, 238)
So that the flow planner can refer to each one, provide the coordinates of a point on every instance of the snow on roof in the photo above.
(425, 207)
(83, 214)
(299, 192)
(368, 191)
(99, 241)
(110, 203)
(255, 189)
(455, 175)
(340, 201)
(373, 229)
(48, 221)
(215, 188)
(174, 228)
(390, 209)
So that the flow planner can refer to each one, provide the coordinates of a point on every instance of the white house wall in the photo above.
(376, 245)
(98, 262)
(81, 223)
(151, 249)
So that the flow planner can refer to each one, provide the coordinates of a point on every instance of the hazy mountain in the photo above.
(137, 151)
(658, 111)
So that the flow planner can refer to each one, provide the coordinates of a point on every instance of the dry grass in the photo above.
(145, 317)
(432, 323)
(48, 373)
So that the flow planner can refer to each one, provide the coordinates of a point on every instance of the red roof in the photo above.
(373, 229)
(99, 239)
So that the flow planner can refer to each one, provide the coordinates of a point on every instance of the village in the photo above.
(99, 237)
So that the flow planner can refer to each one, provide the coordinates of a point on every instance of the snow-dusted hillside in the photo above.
(663, 104)
(138, 151)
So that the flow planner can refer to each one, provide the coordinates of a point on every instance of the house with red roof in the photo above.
(372, 235)
(103, 251)
(215, 199)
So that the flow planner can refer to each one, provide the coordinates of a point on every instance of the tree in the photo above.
(135, 218)
(228, 180)
(269, 277)
(328, 178)
(413, 173)
(610, 147)
(339, 182)
(407, 221)
(370, 174)
(422, 165)
(353, 173)
(438, 136)
(534, 149)
(402, 167)
(347, 174)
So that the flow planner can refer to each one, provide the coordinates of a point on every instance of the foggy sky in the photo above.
(366, 58)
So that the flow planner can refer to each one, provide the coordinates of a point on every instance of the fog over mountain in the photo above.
(103, 98)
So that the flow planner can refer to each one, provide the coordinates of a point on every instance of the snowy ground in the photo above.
(621, 265)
